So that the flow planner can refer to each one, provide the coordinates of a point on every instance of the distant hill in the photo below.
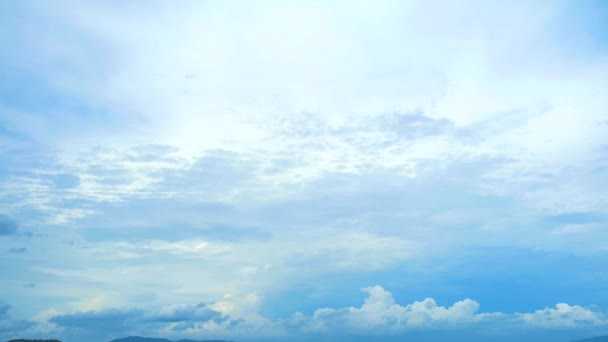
(150, 339)
(595, 339)
(140, 339)
(22, 340)
(203, 341)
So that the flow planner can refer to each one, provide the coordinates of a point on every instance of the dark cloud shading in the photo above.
(415, 125)
(217, 172)
(98, 325)
(117, 322)
(4, 309)
(8, 325)
(8, 226)
(577, 218)
(112, 319)
(183, 313)
(19, 250)
(65, 181)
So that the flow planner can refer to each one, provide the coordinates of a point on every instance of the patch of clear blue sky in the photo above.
(501, 279)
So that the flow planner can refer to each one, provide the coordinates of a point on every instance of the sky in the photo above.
(297, 170)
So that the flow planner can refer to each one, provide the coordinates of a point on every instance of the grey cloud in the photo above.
(208, 220)
(406, 125)
(366, 199)
(182, 326)
(183, 313)
(217, 172)
(233, 233)
(154, 149)
(577, 218)
(493, 125)
(98, 325)
(8, 325)
(111, 323)
(111, 319)
(415, 125)
(14, 326)
(8, 226)
(151, 152)
(19, 250)
(65, 181)
(4, 309)
(120, 320)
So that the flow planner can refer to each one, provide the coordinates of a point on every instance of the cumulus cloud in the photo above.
(8, 226)
(563, 316)
(380, 313)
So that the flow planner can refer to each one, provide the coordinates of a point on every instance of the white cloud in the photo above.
(563, 316)
(328, 98)
(361, 251)
(381, 313)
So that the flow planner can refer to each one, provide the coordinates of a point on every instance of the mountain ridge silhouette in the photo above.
(594, 339)
(154, 339)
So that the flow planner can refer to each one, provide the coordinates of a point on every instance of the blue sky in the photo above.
(343, 170)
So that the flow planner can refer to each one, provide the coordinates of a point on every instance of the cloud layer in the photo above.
(379, 315)
(273, 157)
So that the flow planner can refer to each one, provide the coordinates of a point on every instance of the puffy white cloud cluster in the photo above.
(563, 316)
(380, 312)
